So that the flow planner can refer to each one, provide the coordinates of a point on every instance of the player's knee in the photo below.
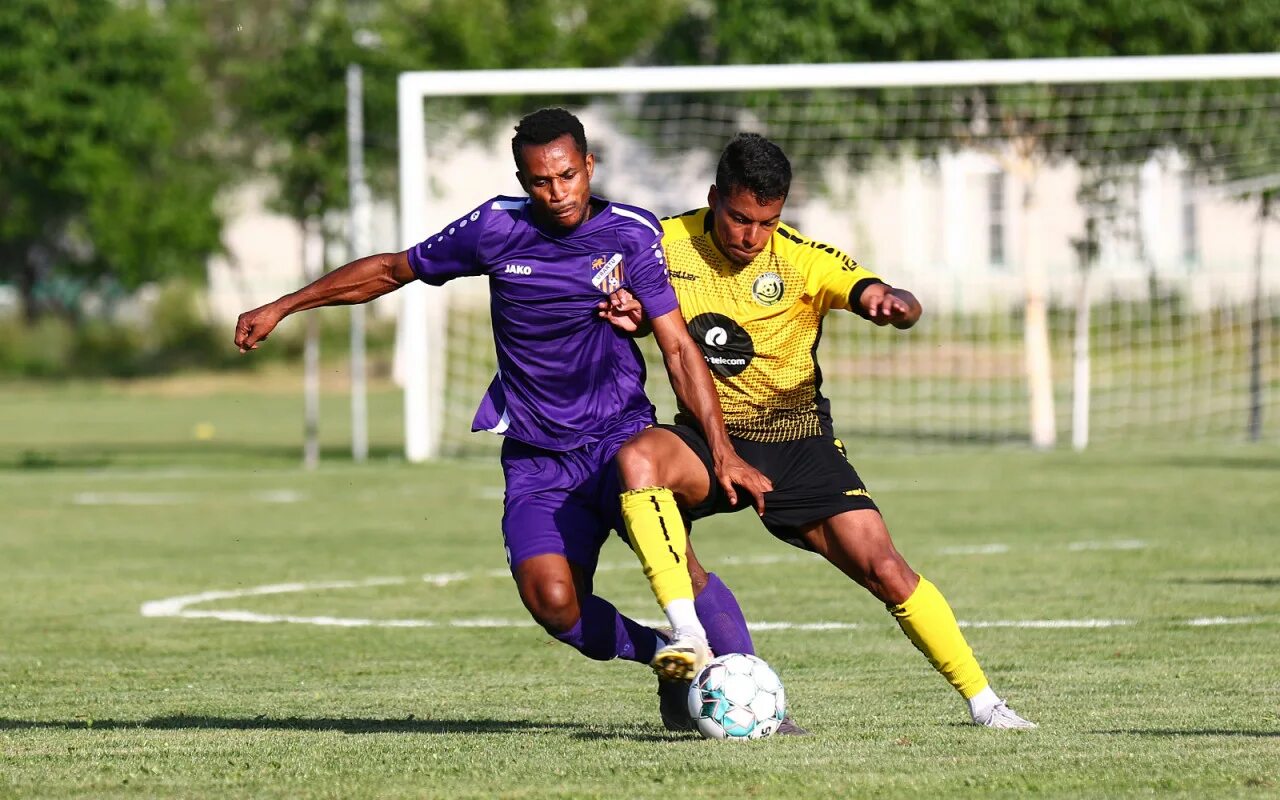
(553, 604)
(638, 463)
(890, 579)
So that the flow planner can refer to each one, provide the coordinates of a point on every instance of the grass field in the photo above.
(1129, 601)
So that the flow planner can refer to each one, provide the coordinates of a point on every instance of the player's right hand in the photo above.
(623, 311)
(732, 472)
(254, 326)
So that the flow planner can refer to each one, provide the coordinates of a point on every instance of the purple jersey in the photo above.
(566, 378)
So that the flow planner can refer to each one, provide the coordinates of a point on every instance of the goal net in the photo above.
(1092, 239)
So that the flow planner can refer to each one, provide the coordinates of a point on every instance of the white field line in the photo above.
(181, 607)
(174, 498)
(1047, 623)
(108, 475)
(1200, 621)
(974, 550)
(130, 499)
(1116, 544)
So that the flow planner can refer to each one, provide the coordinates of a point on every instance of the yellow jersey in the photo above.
(759, 325)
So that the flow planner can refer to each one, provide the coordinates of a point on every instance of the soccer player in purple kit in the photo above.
(570, 387)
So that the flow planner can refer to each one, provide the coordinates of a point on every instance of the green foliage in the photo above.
(295, 104)
(828, 31)
(105, 175)
(520, 34)
(41, 349)
(175, 335)
(511, 34)
(1225, 129)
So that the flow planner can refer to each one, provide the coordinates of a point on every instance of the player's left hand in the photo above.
(733, 472)
(622, 311)
(888, 306)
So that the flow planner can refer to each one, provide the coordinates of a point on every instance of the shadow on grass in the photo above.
(1263, 582)
(1171, 732)
(341, 725)
(1254, 462)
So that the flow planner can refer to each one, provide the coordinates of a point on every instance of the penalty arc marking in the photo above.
(183, 606)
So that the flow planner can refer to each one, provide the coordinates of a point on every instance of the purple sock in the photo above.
(719, 612)
(602, 633)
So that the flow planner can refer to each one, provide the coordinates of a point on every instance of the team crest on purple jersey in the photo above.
(606, 269)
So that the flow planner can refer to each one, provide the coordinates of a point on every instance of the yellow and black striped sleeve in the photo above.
(832, 278)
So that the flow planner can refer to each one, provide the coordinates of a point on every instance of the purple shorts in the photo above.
(562, 502)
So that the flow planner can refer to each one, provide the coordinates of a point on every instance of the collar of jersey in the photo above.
(586, 226)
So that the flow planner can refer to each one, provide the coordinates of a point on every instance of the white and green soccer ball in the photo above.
(737, 696)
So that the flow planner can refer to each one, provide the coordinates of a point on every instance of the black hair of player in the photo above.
(756, 164)
(545, 126)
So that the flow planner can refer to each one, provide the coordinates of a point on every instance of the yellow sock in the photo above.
(927, 620)
(656, 532)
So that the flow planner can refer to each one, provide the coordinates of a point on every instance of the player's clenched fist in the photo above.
(254, 326)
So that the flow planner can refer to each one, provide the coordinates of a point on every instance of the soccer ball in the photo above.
(737, 696)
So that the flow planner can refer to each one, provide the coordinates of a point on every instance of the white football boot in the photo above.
(681, 658)
(1001, 717)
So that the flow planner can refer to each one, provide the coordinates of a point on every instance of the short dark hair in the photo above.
(545, 126)
(752, 162)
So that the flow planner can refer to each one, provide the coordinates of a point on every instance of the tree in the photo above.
(106, 176)
(818, 31)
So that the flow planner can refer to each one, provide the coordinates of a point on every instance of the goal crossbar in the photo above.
(619, 80)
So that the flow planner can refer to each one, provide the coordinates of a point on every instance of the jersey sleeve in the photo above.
(646, 267)
(835, 280)
(451, 253)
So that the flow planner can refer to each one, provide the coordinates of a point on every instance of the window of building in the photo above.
(995, 219)
(1190, 231)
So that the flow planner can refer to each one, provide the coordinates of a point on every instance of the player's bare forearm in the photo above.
(690, 378)
(889, 305)
(358, 282)
(696, 391)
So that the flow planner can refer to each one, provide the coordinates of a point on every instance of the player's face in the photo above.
(741, 224)
(557, 177)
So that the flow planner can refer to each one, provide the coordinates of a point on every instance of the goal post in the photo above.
(937, 145)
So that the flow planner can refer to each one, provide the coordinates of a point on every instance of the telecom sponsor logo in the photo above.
(726, 345)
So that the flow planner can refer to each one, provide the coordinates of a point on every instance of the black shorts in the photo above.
(812, 480)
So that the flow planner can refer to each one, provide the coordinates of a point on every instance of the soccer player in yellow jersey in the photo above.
(754, 293)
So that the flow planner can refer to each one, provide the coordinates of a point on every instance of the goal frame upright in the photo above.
(420, 337)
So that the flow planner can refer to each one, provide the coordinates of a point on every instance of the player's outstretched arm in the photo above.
(886, 305)
(358, 282)
(691, 381)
